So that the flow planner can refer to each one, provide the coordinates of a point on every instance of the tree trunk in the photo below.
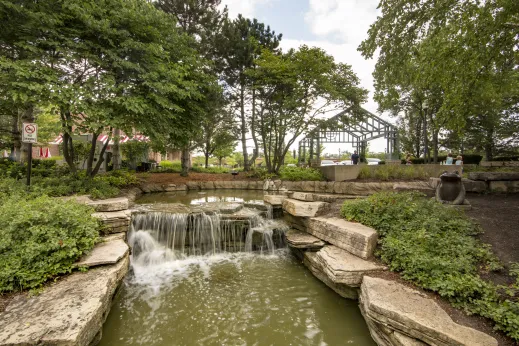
(206, 154)
(489, 144)
(220, 161)
(246, 166)
(17, 139)
(253, 131)
(116, 150)
(185, 161)
(101, 156)
(68, 147)
(435, 145)
(91, 154)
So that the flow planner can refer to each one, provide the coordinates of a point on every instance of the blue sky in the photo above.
(337, 26)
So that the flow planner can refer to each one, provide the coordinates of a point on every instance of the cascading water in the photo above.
(157, 237)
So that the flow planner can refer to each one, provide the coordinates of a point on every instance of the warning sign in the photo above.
(30, 133)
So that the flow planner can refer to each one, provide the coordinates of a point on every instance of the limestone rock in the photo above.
(355, 238)
(299, 223)
(308, 186)
(494, 176)
(422, 186)
(304, 209)
(474, 186)
(324, 186)
(69, 312)
(193, 185)
(114, 236)
(114, 221)
(504, 186)
(107, 252)
(207, 185)
(112, 204)
(175, 187)
(342, 267)
(256, 205)
(274, 199)
(151, 187)
(409, 312)
(302, 240)
(314, 266)
(362, 189)
(223, 184)
(302, 196)
(334, 198)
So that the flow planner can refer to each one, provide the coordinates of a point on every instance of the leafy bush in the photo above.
(506, 158)
(41, 238)
(467, 159)
(300, 174)
(211, 170)
(392, 172)
(260, 173)
(433, 246)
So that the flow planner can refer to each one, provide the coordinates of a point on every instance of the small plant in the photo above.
(300, 174)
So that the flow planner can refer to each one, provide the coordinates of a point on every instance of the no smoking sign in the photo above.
(30, 133)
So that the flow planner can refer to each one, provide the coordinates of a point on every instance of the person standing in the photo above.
(449, 160)
(355, 158)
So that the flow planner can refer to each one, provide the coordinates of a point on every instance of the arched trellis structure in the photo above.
(348, 127)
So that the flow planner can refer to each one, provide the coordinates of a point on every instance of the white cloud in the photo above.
(347, 20)
(243, 7)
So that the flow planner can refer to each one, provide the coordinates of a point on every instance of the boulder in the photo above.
(504, 186)
(422, 186)
(175, 187)
(69, 312)
(314, 266)
(342, 267)
(107, 252)
(299, 223)
(304, 209)
(223, 184)
(151, 187)
(302, 196)
(355, 238)
(398, 308)
(474, 186)
(302, 240)
(193, 185)
(114, 221)
(362, 189)
(334, 198)
(324, 186)
(112, 204)
(494, 176)
(274, 199)
(207, 185)
(308, 186)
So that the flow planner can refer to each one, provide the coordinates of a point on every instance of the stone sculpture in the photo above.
(450, 190)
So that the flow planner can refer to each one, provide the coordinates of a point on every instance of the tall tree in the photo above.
(243, 40)
(294, 90)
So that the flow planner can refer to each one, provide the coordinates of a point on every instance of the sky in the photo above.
(337, 26)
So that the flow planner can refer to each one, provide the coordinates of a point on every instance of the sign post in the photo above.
(29, 136)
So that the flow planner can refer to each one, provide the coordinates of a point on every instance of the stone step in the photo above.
(114, 221)
(302, 240)
(355, 238)
(342, 267)
(112, 204)
(304, 209)
(393, 307)
(345, 291)
(302, 196)
(69, 312)
(274, 199)
(106, 252)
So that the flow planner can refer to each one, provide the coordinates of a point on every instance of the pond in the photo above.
(225, 298)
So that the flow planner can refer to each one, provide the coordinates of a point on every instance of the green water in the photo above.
(228, 298)
(232, 299)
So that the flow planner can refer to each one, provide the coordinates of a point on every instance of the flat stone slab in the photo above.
(424, 186)
(69, 312)
(355, 238)
(113, 215)
(334, 198)
(412, 313)
(304, 209)
(302, 196)
(302, 240)
(107, 252)
(504, 186)
(342, 267)
(492, 176)
(112, 204)
(256, 205)
(345, 291)
(274, 199)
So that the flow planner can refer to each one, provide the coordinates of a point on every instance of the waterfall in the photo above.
(156, 237)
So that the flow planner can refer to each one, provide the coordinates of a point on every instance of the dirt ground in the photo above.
(499, 217)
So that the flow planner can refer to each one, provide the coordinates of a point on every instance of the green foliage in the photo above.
(300, 174)
(260, 173)
(135, 151)
(472, 159)
(212, 170)
(393, 172)
(41, 238)
(434, 247)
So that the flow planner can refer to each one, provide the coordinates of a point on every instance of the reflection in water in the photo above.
(231, 299)
(197, 197)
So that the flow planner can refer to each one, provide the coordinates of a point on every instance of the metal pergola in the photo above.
(349, 127)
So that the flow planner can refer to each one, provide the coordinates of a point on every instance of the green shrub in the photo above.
(434, 246)
(393, 172)
(211, 170)
(41, 238)
(260, 173)
(300, 174)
